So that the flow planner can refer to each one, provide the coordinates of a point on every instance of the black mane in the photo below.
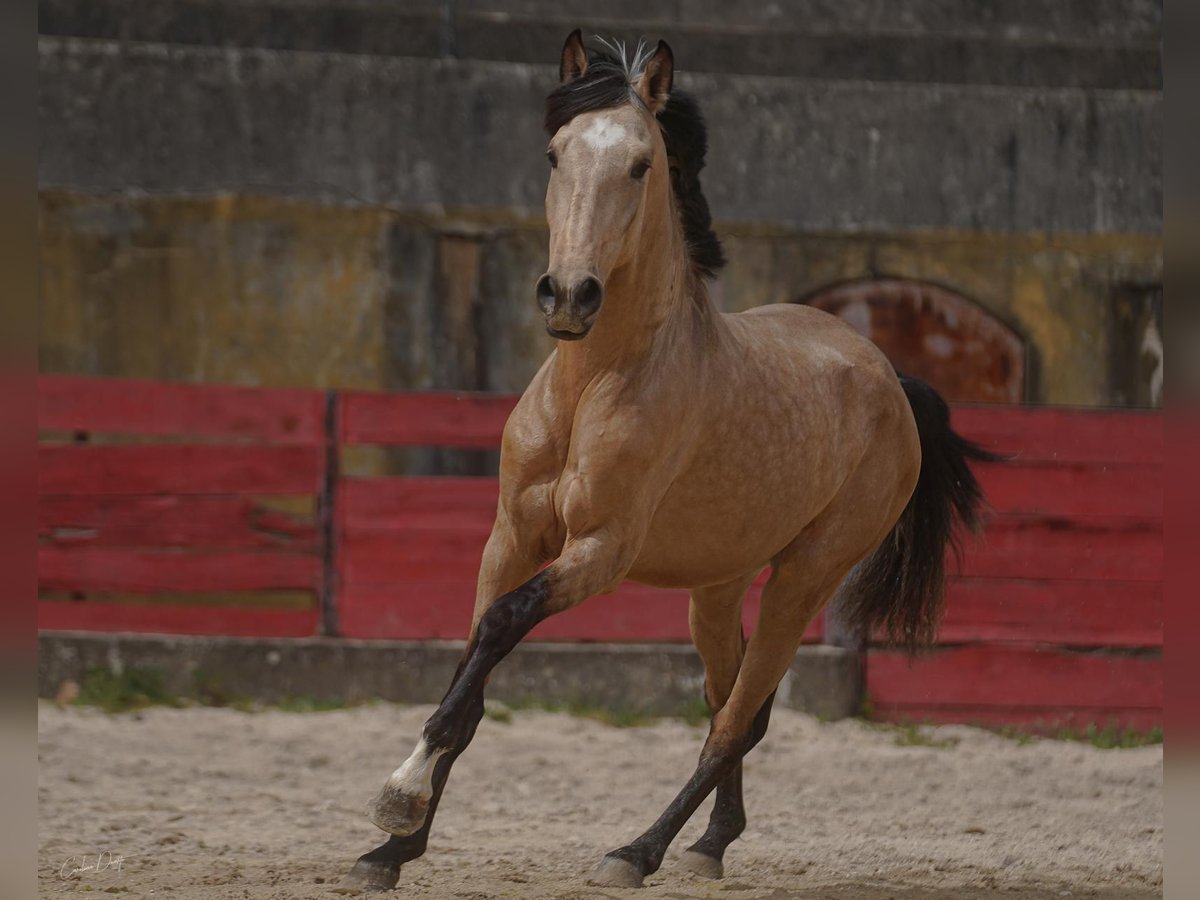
(606, 84)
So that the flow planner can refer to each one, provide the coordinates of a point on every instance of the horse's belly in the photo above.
(704, 537)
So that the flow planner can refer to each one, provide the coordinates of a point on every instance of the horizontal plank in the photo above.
(184, 469)
(425, 419)
(167, 619)
(194, 522)
(1043, 720)
(1061, 548)
(1134, 491)
(116, 570)
(1056, 435)
(402, 541)
(430, 502)
(1054, 607)
(1025, 490)
(1070, 613)
(1015, 676)
(413, 610)
(388, 557)
(159, 409)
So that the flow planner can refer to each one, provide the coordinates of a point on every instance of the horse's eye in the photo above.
(639, 170)
(553, 157)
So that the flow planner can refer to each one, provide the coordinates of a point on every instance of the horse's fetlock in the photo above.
(439, 732)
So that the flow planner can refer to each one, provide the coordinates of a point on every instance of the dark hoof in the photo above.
(368, 876)
(701, 864)
(616, 872)
(398, 813)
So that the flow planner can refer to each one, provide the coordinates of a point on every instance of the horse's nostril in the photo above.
(545, 293)
(587, 296)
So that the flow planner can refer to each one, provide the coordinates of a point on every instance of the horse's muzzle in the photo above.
(569, 311)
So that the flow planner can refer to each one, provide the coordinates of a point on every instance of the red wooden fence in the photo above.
(154, 490)
(1057, 615)
(217, 510)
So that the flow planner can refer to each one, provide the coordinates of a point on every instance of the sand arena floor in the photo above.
(216, 803)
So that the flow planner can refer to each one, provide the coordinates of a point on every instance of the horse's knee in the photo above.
(510, 618)
(733, 741)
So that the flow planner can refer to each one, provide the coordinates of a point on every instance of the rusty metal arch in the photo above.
(934, 333)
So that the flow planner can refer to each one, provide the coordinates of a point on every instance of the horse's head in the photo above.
(608, 162)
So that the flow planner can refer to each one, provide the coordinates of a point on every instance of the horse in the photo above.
(673, 445)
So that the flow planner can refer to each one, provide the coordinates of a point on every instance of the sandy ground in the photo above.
(215, 803)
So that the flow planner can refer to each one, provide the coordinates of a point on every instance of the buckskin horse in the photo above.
(676, 446)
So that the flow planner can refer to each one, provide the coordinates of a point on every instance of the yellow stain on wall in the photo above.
(250, 290)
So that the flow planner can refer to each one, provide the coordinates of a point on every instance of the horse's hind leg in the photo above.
(790, 600)
(715, 618)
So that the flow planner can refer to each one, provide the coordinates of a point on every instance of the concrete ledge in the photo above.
(1086, 51)
(648, 678)
(808, 154)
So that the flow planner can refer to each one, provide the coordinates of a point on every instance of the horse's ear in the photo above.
(574, 58)
(655, 83)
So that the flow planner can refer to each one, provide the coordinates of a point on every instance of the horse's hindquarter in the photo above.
(795, 403)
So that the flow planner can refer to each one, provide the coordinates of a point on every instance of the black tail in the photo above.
(900, 587)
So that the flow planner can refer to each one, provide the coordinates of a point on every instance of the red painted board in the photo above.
(121, 570)
(1043, 720)
(81, 469)
(152, 408)
(1091, 548)
(1073, 490)
(159, 618)
(194, 522)
(414, 610)
(1071, 613)
(383, 558)
(432, 418)
(368, 504)
(1050, 434)
(1016, 676)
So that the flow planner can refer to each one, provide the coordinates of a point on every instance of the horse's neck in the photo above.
(654, 310)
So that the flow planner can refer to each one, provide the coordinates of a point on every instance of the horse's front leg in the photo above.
(589, 564)
(507, 563)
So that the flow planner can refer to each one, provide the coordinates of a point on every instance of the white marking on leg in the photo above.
(603, 133)
(415, 775)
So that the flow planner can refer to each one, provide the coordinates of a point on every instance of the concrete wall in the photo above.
(448, 135)
(284, 292)
(349, 194)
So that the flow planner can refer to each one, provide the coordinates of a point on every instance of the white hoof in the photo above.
(367, 877)
(397, 812)
(614, 872)
(701, 864)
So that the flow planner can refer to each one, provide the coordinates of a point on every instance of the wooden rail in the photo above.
(219, 510)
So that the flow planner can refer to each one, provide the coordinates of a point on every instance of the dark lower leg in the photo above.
(448, 732)
(717, 763)
(500, 629)
(379, 869)
(728, 818)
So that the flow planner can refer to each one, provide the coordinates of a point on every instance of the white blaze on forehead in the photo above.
(415, 776)
(603, 133)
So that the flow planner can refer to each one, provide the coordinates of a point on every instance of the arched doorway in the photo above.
(935, 334)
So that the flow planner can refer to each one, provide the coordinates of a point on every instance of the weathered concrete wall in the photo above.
(657, 679)
(443, 135)
(1101, 44)
(348, 194)
(271, 292)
